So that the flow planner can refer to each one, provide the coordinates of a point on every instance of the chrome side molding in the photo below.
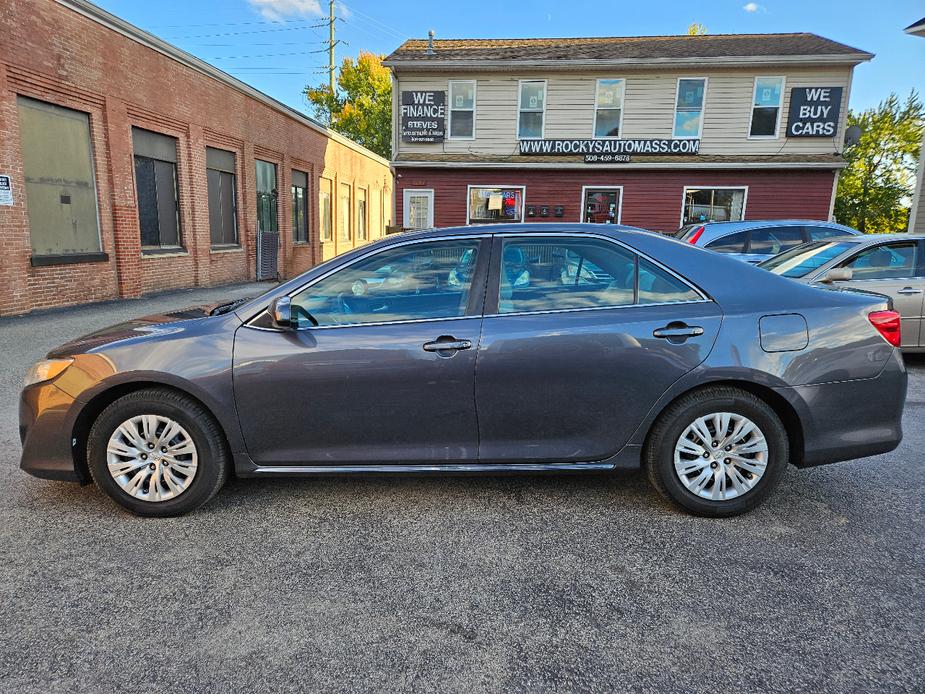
(450, 468)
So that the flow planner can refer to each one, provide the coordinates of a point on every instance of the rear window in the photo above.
(685, 232)
(802, 260)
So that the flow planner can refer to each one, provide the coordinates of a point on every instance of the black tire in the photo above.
(213, 458)
(658, 456)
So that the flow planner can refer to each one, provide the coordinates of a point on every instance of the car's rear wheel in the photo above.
(157, 453)
(719, 451)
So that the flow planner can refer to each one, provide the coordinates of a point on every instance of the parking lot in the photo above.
(461, 584)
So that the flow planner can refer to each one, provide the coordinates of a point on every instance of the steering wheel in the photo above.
(302, 313)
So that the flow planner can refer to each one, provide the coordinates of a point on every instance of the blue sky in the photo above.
(276, 46)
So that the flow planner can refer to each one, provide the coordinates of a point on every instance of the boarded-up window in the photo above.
(324, 207)
(362, 210)
(299, 207)
(220, 175)
(156, 183)
(267, 197)
(343, 213)
(60, 184)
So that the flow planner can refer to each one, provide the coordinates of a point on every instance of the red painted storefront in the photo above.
(651, 199)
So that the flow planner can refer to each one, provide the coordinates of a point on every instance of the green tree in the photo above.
(875, 189)
(361, 105)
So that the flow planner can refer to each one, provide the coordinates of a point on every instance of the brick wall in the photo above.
(651, 199)
(52, 53)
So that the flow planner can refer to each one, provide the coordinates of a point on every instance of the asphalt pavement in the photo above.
(456, 584)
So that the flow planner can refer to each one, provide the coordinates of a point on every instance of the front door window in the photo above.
(601, 206)
(425, 281)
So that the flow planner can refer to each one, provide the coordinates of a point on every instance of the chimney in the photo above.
(430, 42)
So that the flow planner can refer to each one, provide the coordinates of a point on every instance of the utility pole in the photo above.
(331, 45)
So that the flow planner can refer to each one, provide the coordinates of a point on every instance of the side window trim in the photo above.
(493, 286)
(473, 309)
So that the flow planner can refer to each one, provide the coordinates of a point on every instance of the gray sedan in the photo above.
(498, 349)
(889, 264)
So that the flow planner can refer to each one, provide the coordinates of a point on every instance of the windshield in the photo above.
(802, 260)
(686, 231)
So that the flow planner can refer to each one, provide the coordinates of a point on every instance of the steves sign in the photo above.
(423, 116)
(611, 148)
(814, 111)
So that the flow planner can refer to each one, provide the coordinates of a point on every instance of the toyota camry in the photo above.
(493, 349)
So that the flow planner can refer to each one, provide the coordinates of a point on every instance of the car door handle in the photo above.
(447, 344)
(677, 331)
(909, 290)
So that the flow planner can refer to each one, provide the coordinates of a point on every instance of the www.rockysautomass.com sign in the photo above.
(622, 147)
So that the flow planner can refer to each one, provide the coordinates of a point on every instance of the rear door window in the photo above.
(732, 243)
(773, 240)
(562, 273)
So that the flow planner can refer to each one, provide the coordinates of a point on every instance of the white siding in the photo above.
(648, 108)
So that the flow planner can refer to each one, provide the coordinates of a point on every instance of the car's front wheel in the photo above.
(157, 453)
(719, 451)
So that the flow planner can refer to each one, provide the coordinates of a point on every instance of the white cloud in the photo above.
(275, 10)
(752, 7)
(343, 11)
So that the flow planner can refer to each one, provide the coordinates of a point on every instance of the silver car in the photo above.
(755, 241)
(889, 264)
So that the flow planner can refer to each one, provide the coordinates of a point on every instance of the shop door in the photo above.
(601, 205)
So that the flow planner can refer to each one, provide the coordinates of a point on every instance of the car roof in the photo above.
(514, 228)
(766, 222)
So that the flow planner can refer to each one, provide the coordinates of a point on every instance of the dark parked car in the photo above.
(521, 347)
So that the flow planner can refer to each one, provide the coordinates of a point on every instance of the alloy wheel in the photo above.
(721, 456)
(152, 457)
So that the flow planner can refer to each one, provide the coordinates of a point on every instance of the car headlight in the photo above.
(46, 370)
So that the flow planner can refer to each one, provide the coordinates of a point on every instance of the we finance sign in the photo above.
(423, 116)
(623, 147)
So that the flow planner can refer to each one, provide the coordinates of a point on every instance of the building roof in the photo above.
(700, 161)
(917, 28)
(747, 48)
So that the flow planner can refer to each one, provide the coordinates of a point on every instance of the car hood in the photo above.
(137, 328)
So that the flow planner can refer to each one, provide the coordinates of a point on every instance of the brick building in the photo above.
(129, 166)
(653, 131)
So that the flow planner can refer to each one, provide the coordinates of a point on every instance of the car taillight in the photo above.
(888, 324)
(695, 237)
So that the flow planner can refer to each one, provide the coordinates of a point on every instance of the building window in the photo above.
(158, 190)
(766, 107)
(220, 177)
(324, 209)
(362, 221)
(713, 205)
(418, 208)
(608, 108)
(462, 109)
(60, 183)
(299, 207)
(688, 114)
(495, 204)
(267, 197)
(343, 210)
(532, 109)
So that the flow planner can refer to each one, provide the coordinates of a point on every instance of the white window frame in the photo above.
(449, 95)
(605, 186)
(780, 108)
(708, 186)
(405, 199)
(597, 106)
(523, 197)
(520, 92)
(703, 108)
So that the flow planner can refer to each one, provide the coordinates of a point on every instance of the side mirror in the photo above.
(280, 311)
(837, 274)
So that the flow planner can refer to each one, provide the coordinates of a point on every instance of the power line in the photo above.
(268, 55)
(396, 32)
(242, 33)
(232, 24)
